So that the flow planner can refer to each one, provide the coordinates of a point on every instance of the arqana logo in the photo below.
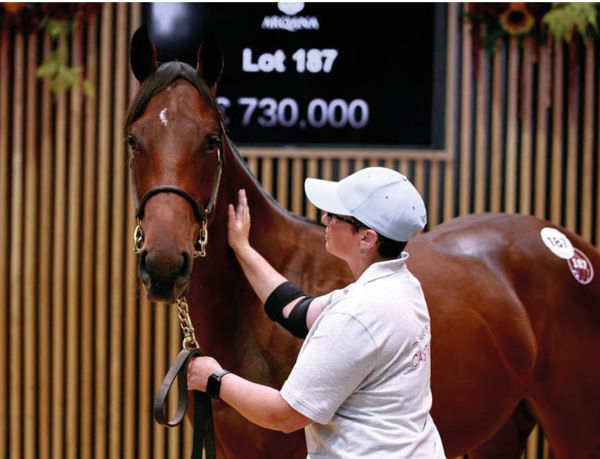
(289, 21)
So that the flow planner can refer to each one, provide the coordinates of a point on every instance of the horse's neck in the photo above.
(221, 297)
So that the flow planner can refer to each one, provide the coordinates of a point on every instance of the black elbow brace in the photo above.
(280, 298)
(296, 321)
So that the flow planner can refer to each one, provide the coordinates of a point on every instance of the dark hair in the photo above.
(387, 248)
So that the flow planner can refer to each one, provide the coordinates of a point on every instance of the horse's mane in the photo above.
(165, 75)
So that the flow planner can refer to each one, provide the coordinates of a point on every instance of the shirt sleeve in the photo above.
(334, 362)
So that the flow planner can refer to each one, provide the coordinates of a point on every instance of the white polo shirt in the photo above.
(363, 372)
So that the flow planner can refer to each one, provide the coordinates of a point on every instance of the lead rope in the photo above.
(203, 420)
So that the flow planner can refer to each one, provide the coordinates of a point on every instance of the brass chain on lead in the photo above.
(189, 338)
(200, 249)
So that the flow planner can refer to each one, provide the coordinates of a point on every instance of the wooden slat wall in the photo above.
(82, 351)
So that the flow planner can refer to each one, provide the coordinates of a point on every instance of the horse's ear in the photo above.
(210, 62)
(142, 54)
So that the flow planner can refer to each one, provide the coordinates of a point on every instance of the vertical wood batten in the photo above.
(160, 355)
(30, 229)
(556, 187)
(44, 349)
(282, 181)
(543, 102)
(102, 232)
(531, 446)
(464, 191)
(311, 171)
(419, 177)
(433, 210)
(572, 133)
(451, 99)
(59, 396)
(327, 169)
(297, 198)
(117, 234)
(588, 142)
(252, 163)
(132, 326)
(145, 385)
(73, 255)
(4, 232)
(510, 184)
(496, 132)
(14, 440)
(88, 301)
(267, 174)
(524, 198)
(481, 132)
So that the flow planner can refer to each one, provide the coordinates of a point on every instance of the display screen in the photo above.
(326, 74)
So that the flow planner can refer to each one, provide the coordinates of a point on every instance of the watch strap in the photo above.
(213, 385)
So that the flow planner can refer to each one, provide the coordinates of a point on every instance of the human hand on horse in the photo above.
(238, 228)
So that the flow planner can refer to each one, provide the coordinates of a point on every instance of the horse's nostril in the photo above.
(143, 270)
(160, 267)
(186, 265)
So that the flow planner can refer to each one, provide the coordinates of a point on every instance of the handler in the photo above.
(361, 384)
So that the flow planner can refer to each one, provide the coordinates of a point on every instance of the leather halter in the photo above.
(201, 213)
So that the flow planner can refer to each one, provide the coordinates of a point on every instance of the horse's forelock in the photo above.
(164, 76)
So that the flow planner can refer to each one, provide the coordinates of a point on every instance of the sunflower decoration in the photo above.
(540, 20)
(517, 19)
(495, 21)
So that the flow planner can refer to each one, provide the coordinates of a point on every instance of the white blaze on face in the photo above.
(163, 117)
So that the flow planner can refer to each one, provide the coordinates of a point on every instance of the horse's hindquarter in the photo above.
(565, 317)
(507, 317)
(483, 348)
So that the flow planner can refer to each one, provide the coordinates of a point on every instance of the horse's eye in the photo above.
(214, 142)
(131, 142)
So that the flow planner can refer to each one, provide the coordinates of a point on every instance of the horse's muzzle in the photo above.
(165, 278)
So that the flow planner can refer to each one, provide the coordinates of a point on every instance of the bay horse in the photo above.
(515, 322)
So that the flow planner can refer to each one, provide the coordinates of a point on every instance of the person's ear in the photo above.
(369, 239)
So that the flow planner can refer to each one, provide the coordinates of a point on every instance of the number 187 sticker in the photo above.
(557, 242)
(581, 267)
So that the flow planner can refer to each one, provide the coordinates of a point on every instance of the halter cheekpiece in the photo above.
(201, 213)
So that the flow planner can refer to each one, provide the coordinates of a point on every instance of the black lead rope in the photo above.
(203, 421)
(204, 437)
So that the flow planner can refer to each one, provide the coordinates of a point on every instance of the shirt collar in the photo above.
(382, 269)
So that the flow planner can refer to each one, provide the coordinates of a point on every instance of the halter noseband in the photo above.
(200, 213)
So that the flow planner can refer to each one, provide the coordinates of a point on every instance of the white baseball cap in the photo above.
(381, 198)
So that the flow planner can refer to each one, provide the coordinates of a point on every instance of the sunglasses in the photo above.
(353, 221)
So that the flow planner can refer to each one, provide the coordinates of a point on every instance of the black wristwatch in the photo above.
(213, 386)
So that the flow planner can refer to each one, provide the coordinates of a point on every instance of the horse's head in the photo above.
(175, 135)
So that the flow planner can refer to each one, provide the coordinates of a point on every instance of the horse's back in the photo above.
(502, 302)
